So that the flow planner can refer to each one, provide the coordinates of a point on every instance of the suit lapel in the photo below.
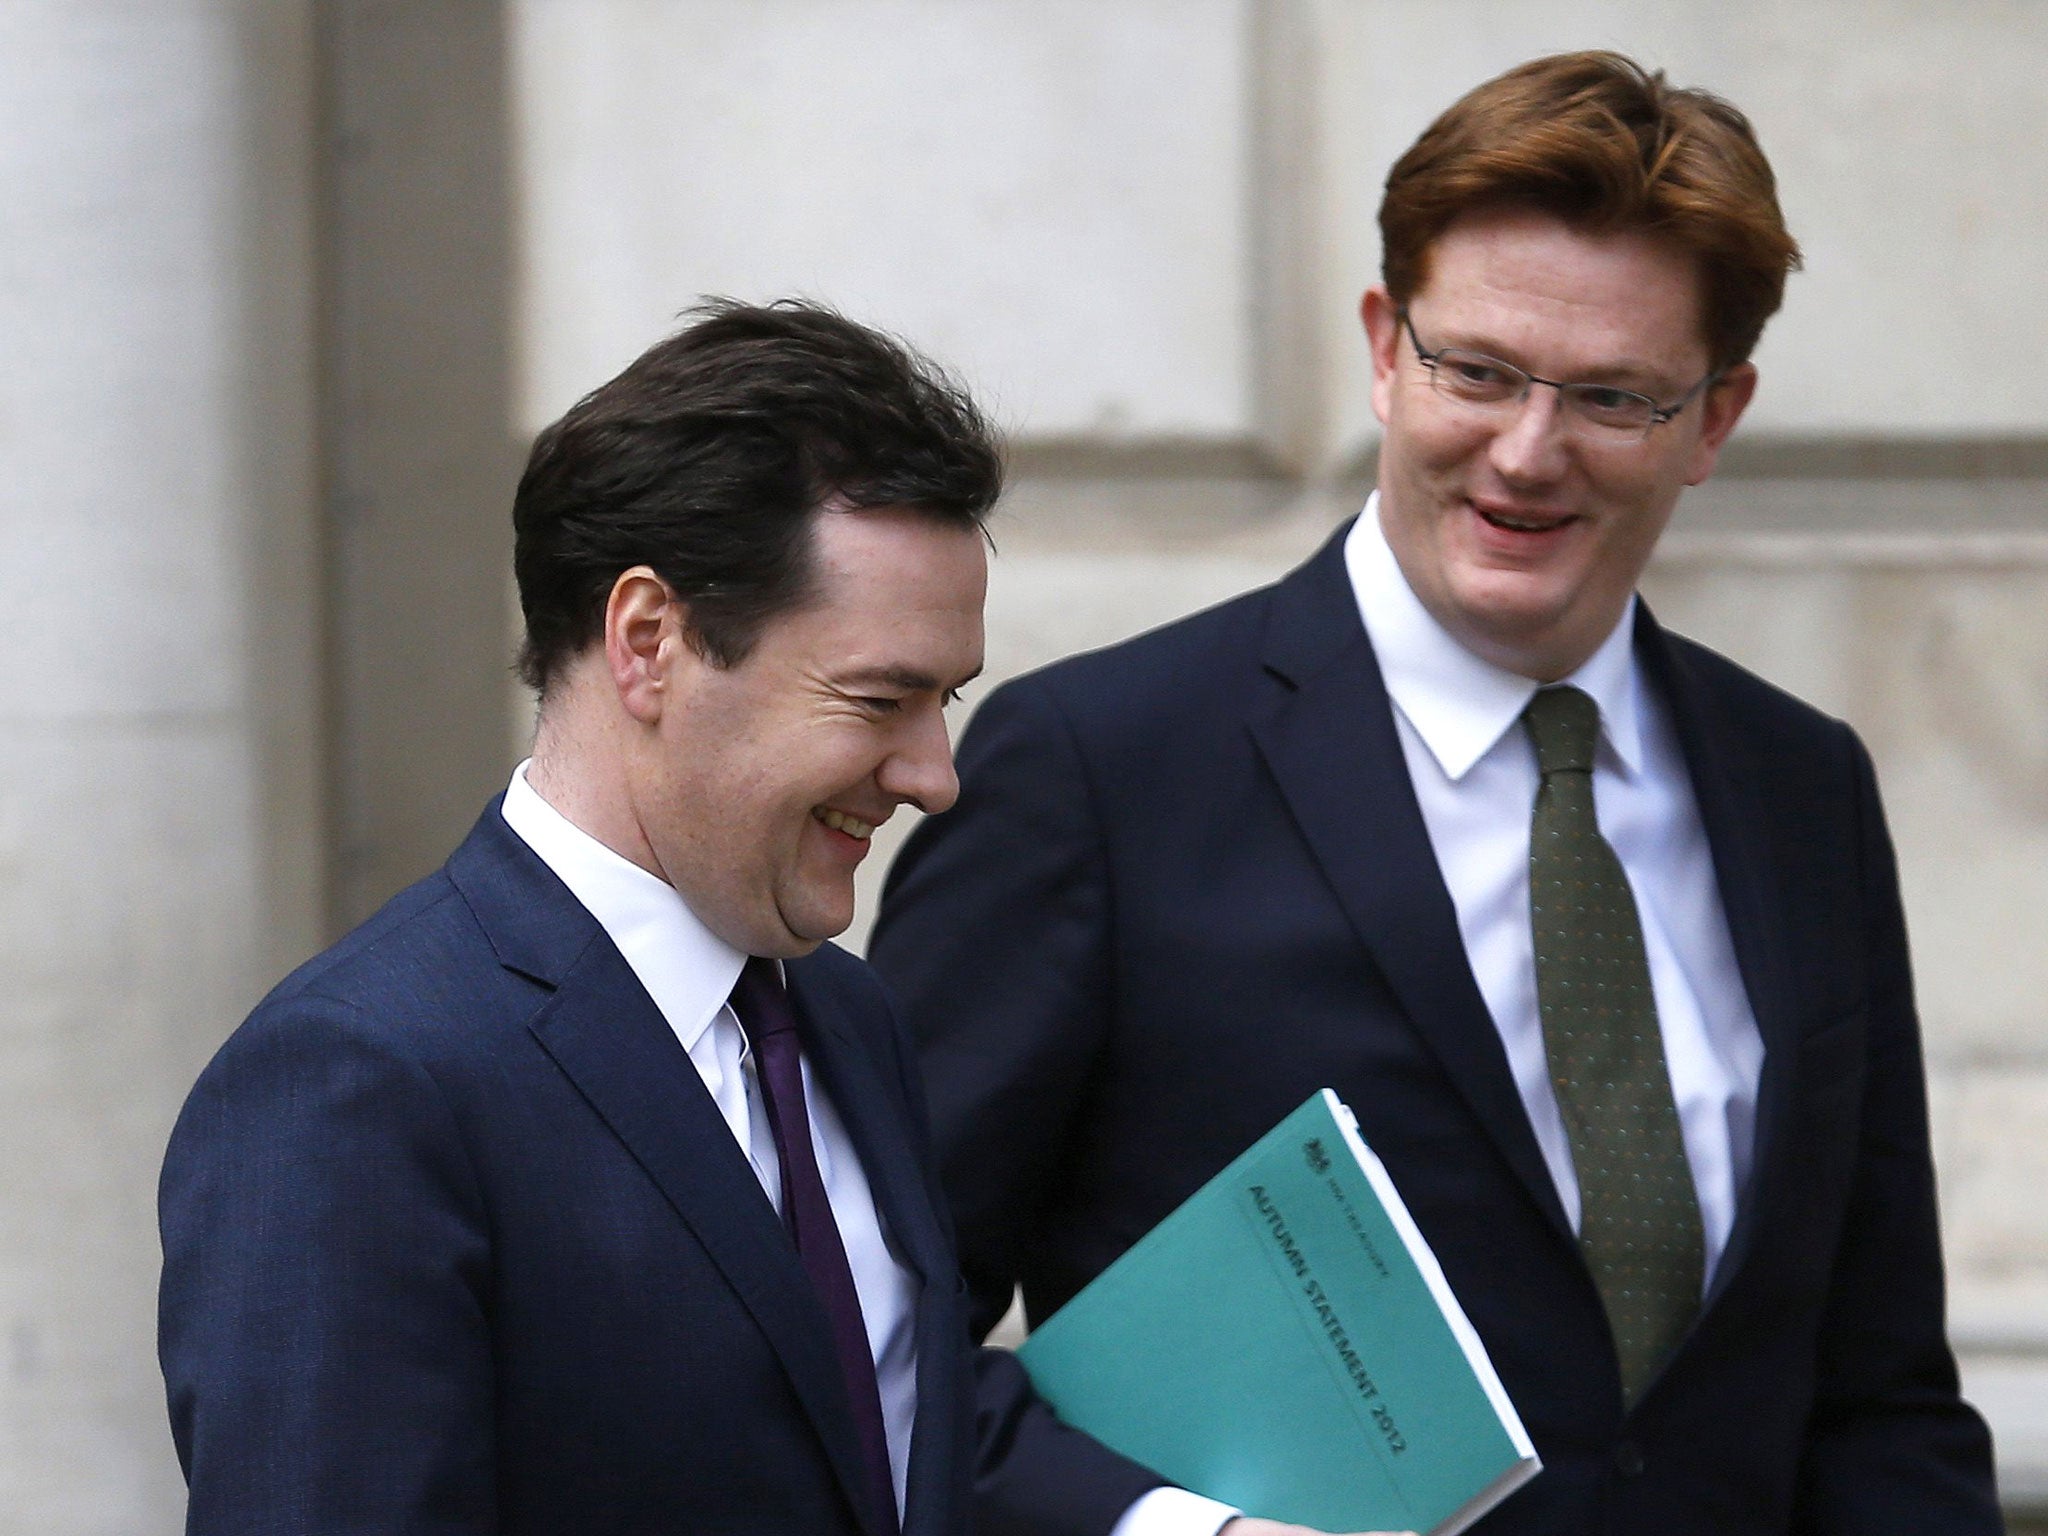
(1328, 736)
(1735, 816)
(607, 1037)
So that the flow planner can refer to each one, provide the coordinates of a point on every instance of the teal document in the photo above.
(1285, 1342)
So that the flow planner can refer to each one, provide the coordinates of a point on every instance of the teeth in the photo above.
(847, 824)
(1517, 524)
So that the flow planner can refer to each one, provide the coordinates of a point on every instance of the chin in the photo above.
(1513, 609)
(1514, 637)
(814, 929)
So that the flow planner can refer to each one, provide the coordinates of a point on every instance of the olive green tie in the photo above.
(1639, 1223)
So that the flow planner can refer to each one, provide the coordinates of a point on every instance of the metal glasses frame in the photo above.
(1658, 413)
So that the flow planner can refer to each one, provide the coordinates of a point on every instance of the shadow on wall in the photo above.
(417, 230)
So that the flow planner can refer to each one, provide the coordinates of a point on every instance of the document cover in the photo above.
(1285, 1342)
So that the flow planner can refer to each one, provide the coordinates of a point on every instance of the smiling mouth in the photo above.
(1524, 522)
(839, 821)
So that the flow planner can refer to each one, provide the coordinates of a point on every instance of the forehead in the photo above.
(891, 585)
(1524, 281)
(855, 551)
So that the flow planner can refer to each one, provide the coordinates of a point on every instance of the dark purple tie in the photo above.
(764, 1013)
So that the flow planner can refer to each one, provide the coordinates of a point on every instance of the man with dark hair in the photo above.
(583, 1188)
(1598, 934)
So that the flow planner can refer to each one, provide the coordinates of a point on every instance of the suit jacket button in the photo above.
(1628, 1458)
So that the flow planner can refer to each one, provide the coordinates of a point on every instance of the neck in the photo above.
(578, 767)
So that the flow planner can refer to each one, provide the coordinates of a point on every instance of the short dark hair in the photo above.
(1596, 140)
(709, 458)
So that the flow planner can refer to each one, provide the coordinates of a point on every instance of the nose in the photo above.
(1530, 446)
(919, 771)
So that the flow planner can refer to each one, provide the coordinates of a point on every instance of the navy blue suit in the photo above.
(456, 1240)
(1187, 884)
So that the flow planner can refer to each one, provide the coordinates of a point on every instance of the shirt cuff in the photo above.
(1174, 1512)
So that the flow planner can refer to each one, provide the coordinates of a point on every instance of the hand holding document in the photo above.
(1286, 1342)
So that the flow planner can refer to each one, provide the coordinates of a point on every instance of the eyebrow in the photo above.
(1628, 372)
(905, 678)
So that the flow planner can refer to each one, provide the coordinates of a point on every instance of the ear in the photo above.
(1383, 335)
(644, 642)
(1720, 408)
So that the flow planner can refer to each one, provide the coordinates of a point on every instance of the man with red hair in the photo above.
(1598, 934)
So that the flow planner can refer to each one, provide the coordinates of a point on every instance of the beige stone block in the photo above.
(1047, 194)
(1991, 1150)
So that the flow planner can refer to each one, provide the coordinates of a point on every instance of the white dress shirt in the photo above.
(1475, 777)
(689, 972)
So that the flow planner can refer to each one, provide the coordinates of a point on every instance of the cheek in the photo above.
(1632, 530)
(1642, 497)
(831, 763)
(1442, 444)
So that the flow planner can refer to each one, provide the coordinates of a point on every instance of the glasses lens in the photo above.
(1620, 411)
(1477, 378)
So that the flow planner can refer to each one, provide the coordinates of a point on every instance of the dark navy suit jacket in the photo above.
(1187, 884)
(455, 1240)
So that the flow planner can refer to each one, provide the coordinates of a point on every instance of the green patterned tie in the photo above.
(1640, 1217)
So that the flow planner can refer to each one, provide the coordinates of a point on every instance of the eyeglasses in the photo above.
(1602, 412)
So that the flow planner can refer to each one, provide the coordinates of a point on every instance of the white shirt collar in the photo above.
(1459, 704)
(686, 968)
